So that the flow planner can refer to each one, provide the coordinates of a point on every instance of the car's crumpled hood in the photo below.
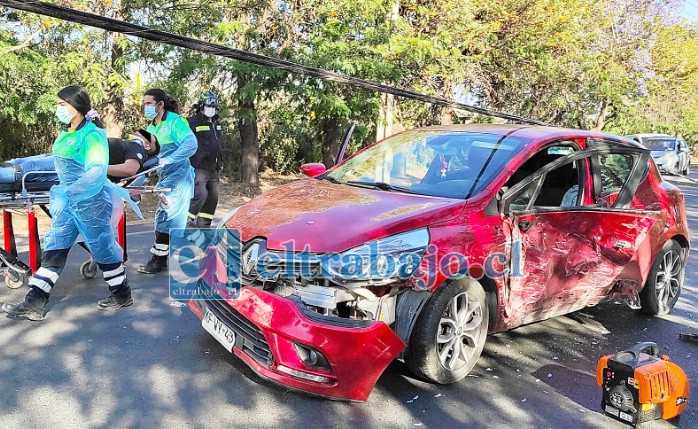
(330, 217)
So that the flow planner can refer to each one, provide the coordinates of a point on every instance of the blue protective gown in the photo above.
(177, 145)
(85, 202)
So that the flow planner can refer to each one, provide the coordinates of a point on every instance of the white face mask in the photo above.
(209, 112)
(63, 114)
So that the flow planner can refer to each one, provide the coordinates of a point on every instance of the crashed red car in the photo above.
(420, 245)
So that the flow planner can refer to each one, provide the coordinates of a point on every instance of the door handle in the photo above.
(525, 225)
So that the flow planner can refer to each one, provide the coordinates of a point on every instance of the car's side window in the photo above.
(556, 188)
(615, 170)
(559, 188)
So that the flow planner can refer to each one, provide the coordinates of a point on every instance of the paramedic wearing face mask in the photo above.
(177, 145)
(83, 203)
(206, 161)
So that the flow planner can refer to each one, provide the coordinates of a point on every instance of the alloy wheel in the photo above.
(668, 280)
(459, 333)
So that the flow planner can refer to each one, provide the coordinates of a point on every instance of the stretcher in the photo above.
(23, 198)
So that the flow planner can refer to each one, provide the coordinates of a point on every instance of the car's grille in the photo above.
(249, 337)
(298, 266)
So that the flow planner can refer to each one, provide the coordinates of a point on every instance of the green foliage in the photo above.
(610, 64)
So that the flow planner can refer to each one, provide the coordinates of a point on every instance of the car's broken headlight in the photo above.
(381, 261)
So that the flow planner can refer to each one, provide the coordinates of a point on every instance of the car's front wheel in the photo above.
(665, 280)
(450, 332)
(687, 170)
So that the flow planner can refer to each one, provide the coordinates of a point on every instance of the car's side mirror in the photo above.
(313, 169)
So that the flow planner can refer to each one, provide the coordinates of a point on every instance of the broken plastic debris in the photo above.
(555, 358)
(495, 376)
(438, 395)
(550, 375)
(523, 400)
(594, 343)
(179, 304)
(488, 369)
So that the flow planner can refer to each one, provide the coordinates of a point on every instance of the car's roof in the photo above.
(649, 135)
(531, 132)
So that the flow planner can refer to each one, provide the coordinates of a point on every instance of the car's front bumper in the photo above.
(268, 325)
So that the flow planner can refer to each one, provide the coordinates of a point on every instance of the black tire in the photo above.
(687, 171)
(425, 354)
(664, 281)
(88, 269)
(16, 280)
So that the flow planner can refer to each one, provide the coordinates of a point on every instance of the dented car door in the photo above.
(568, 253)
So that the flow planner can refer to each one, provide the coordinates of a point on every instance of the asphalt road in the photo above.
(153, 366)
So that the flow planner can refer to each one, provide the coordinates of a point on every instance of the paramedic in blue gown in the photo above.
(177, 145)
(84, 202)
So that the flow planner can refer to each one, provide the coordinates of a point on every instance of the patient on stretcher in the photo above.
(127, 157)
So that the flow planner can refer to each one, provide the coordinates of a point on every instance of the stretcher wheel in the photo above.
(15, 280)
(88, 269)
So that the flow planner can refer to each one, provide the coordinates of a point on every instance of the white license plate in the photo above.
(217, 328)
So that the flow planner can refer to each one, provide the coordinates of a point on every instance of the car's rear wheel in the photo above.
(450, 332)
(665, 280)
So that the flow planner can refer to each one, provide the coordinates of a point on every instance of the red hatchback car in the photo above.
(420, 245)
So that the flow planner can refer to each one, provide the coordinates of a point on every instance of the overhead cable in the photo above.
(147, 33)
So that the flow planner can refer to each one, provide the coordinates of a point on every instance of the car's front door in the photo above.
(569, 249)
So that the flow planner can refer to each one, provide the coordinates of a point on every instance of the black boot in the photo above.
(156, 264)
(120, 297)
(203, 222)
(32, 308)
(112, 302)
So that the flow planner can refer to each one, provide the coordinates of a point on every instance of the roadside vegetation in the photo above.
(621, 66)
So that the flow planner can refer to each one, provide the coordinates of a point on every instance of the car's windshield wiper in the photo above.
(330, 179)
(380, 185)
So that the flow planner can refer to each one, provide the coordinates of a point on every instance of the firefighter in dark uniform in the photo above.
(206, 161)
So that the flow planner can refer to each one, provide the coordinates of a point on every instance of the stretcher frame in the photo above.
(17, 272)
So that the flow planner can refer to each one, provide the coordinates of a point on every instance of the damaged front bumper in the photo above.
(284, 342)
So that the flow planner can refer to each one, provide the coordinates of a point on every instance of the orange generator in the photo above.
(639, 385)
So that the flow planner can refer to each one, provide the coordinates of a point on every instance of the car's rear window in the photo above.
(656, 145)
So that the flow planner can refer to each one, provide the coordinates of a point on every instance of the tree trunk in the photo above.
(113, 115)
(384, 126)
(602, 116)
(386, 115)
(249, 135)
(445, 114)
(331, 140)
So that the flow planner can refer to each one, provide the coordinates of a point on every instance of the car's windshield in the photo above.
(659, 144)
(437, 163)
